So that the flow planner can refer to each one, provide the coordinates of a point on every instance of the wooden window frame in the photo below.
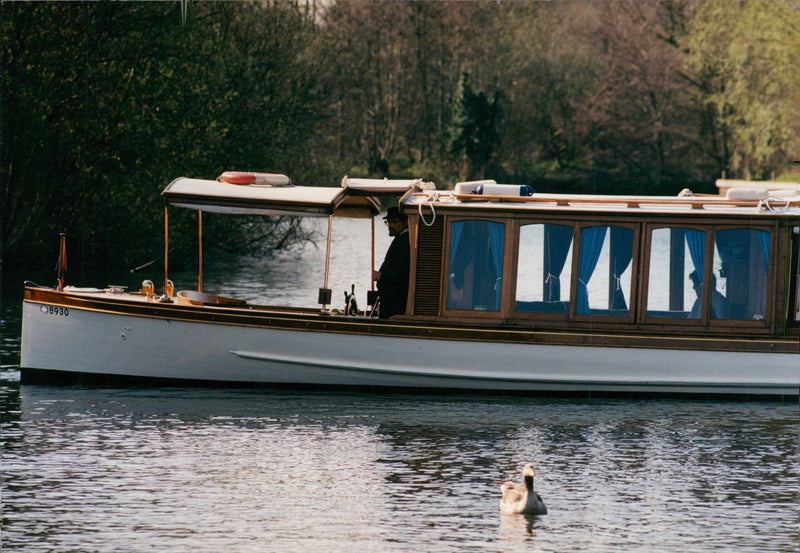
(705, 321)
(769, 316)
(637, 300)
(532, 316)
(509, 239)
(633, 295)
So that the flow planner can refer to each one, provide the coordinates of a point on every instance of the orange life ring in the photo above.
(244, 177)
(237, 177)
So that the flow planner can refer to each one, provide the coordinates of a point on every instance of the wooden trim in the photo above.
(781, 293)
(708, 271)
(643, 284)
(695, 202)
(640, 264)
(510, 245)
(502, 210)
(466, 314)
(424, 327)
(632, 308)
(413, 238)
(425, 284)
(791, 279)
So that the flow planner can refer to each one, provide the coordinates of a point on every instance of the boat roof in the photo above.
(688, 204)
(354, 198)
(360, 197)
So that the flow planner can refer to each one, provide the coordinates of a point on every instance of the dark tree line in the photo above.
(103, 103)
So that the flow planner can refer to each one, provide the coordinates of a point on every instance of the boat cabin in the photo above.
(614, 262)
(489, 254)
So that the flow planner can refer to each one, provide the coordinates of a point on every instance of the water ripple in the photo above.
(96, 469)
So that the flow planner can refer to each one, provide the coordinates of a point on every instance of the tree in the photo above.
(104, 103)
(393, 67)
(551, 75)
(646, 119)
(369, 72)
(474, 135)
(743, 59)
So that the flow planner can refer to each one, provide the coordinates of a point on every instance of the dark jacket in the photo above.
(393, 284)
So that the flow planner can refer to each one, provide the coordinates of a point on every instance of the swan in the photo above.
(522, 499)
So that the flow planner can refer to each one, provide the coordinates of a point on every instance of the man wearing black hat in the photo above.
(393, 275)
(719, 305)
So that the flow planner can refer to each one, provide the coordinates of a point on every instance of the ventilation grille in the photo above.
(429, 269)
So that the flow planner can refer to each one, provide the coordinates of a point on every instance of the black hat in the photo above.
(697, 279)
(393, 214)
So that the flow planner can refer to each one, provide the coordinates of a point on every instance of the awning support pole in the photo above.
(168, 287)
(328, 249)
(324, 292)
(200, 250)
(166, 247)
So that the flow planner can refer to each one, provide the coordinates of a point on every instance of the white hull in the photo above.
(107, 343)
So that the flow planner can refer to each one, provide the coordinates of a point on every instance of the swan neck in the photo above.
(528, 483)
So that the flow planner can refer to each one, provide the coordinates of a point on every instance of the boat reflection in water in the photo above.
(510, 291)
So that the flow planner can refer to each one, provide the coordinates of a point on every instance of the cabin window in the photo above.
(677, 256)
(544, 271)
(741, 258)
(604, 270)
(475, 274)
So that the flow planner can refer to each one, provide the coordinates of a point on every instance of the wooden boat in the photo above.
(540, 293)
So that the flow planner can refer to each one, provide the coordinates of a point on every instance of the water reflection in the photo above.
(222, 469)
(99, 469)
(10, 327)
(517, 528)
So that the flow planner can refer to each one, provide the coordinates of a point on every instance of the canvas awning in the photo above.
(384, 187)
(355, 198)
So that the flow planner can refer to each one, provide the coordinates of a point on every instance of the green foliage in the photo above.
(744, 57)
(789, 177)
(104, 108)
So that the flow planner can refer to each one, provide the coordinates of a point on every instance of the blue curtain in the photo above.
(456, 230)
(696, 241)
(557, 240)
(763, 240)
(456, 277)
(621, 254)
(727, 240)
(496, 238)
(455, 237)
(591, 244)
(473, 252)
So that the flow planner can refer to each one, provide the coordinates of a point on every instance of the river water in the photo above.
(141, 469)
